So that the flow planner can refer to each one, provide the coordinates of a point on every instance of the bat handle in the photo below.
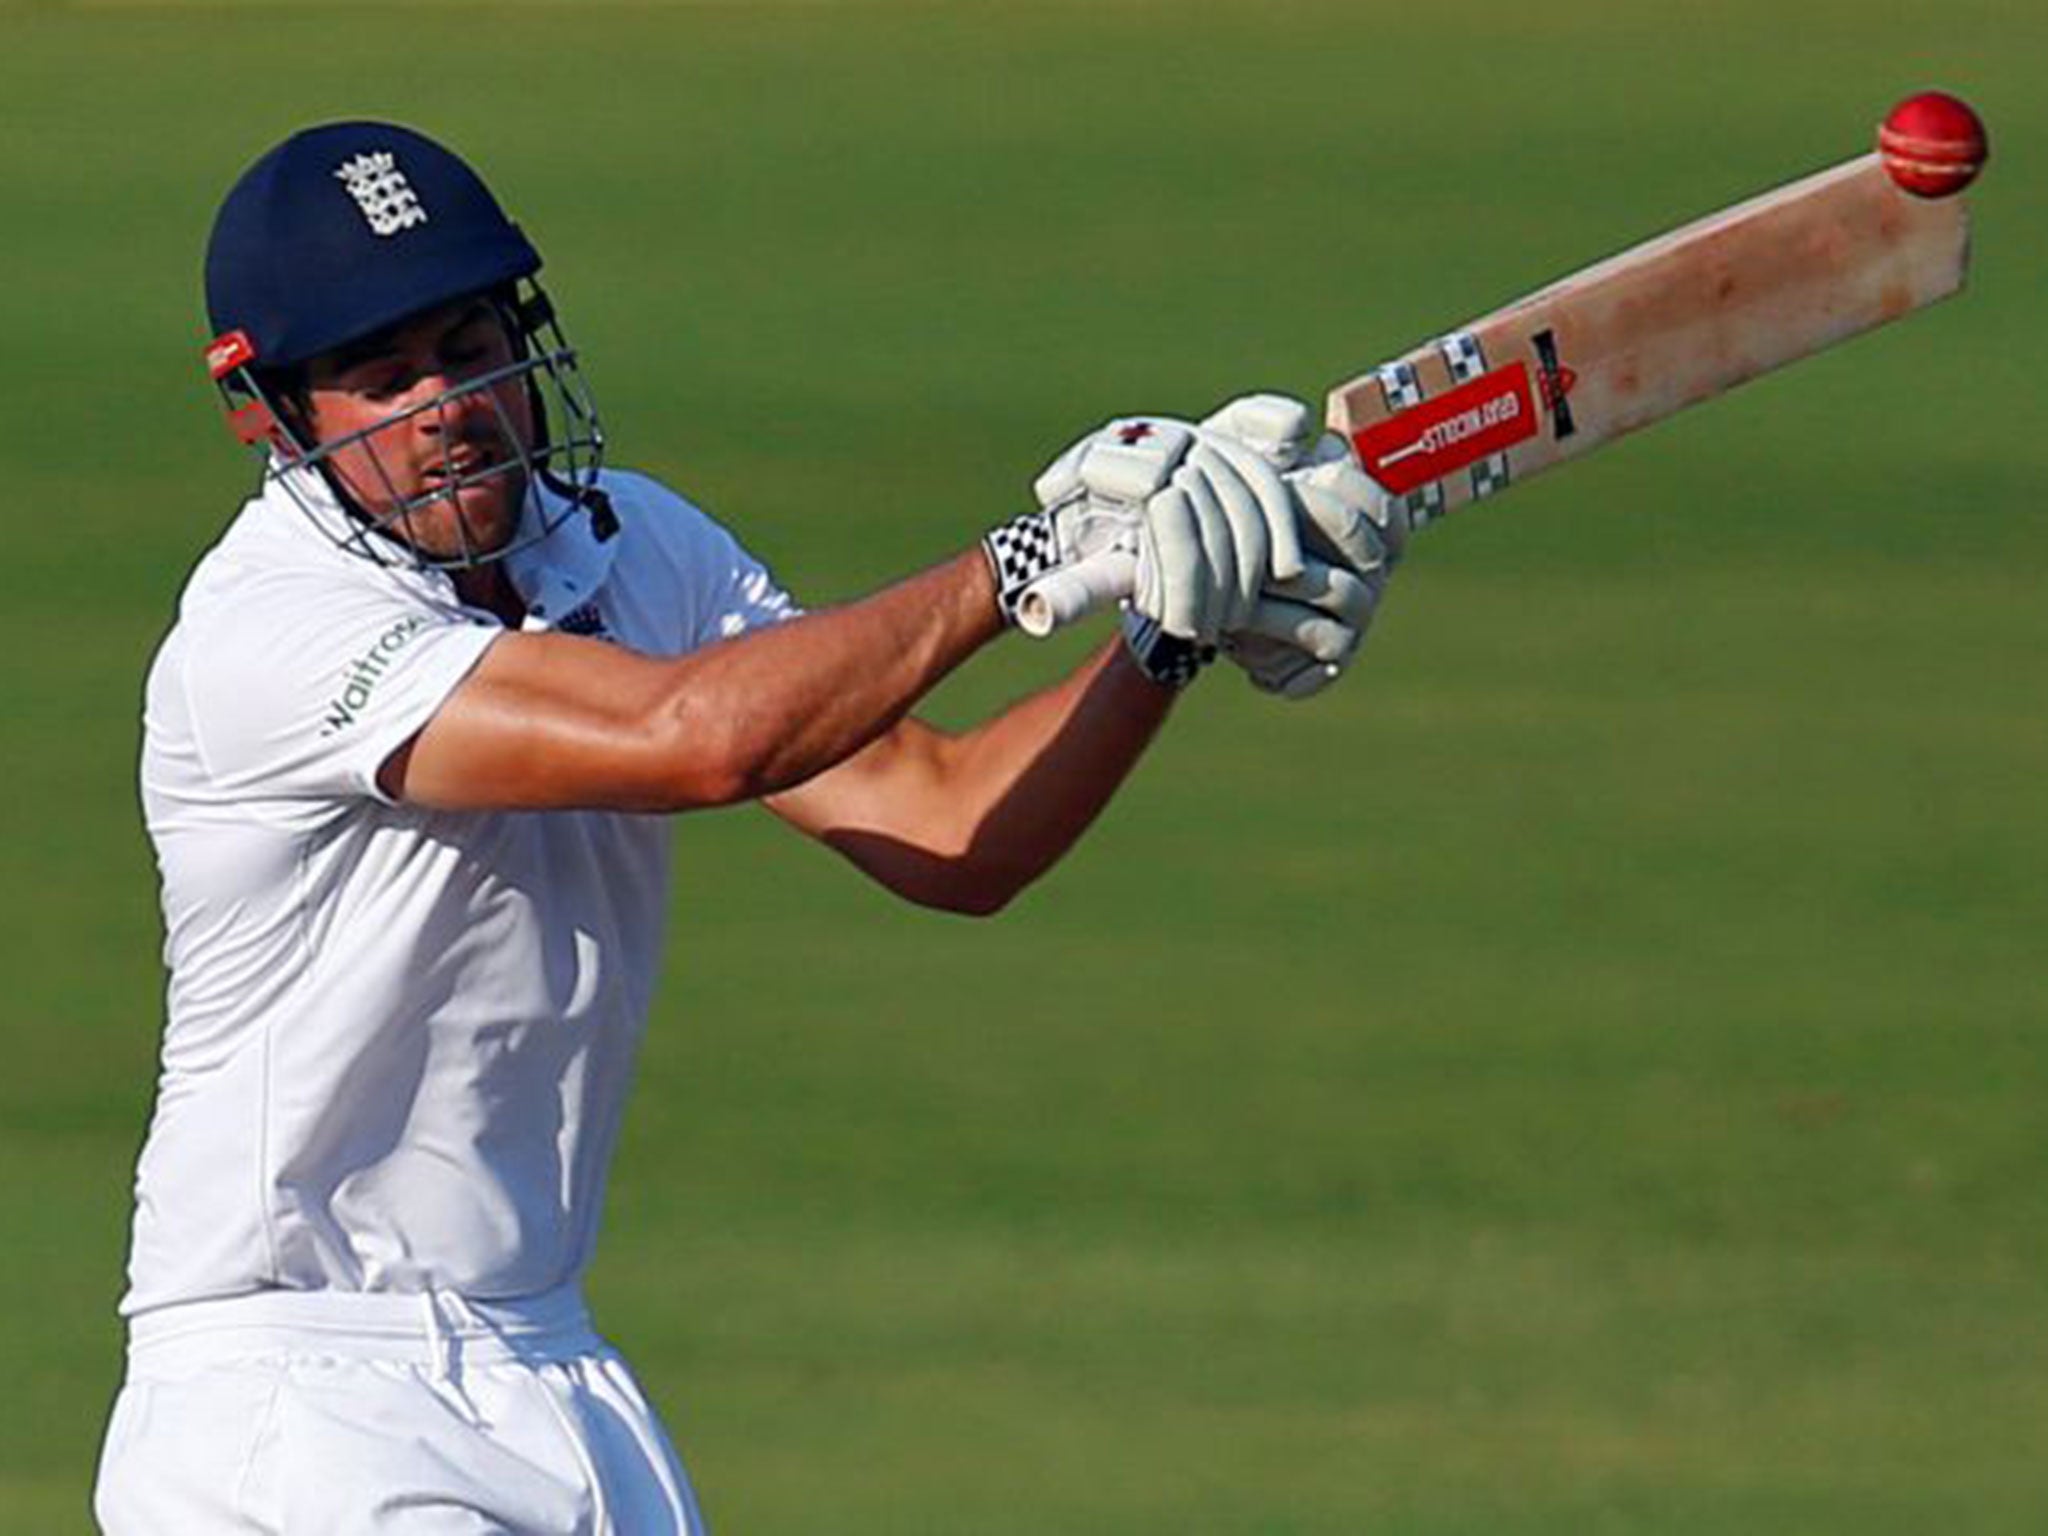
(1073, 591)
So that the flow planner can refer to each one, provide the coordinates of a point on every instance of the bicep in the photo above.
(966, 821)
(892, 785)
(896, 811)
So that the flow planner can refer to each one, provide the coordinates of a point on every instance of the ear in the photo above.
(521, 317)
(292, 420)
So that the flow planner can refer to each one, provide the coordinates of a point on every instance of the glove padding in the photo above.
(1207, 518)
(1212, 539)
(1303, 632)
(1232, 532)
(1088, 520)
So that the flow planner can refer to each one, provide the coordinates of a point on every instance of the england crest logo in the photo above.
(382, 192)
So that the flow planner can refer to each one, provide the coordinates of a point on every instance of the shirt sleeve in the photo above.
(304, 690)
(722, 588)
(741, 593)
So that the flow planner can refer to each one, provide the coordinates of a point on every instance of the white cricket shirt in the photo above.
(398, 1041)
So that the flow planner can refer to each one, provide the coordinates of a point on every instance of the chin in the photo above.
(488, 517)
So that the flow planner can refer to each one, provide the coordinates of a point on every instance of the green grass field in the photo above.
(1582, 1076)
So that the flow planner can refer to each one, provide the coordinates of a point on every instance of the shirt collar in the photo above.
(554, 575)
(561, 572)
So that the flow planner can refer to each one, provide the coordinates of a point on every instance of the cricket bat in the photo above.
(1628, 341)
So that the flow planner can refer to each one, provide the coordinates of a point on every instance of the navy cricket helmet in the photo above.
(350, 229)
(346, 229)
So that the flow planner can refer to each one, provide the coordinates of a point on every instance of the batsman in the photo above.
(408, 753)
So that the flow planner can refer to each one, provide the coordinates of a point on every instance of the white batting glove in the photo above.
(1185, 525)
(1079, 551)
(1346, 514)
(1304, 633)
(1212, 538)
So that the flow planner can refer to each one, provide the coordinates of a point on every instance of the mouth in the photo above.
(463, 467)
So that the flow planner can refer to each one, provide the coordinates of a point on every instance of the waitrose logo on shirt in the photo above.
(359, 677)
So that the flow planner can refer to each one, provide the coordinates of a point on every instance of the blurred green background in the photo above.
(1583, 1075)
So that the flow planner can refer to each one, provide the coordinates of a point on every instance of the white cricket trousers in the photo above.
(315, 1413)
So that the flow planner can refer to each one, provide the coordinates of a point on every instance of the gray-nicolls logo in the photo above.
(381, 191)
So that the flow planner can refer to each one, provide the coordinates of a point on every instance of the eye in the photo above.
(383, 385)
(472, 347)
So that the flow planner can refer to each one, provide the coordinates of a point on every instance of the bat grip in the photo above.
(1073, 591)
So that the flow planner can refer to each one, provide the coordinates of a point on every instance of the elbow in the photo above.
(699, 761)
(696, 783)
(965, 888)
(957, 883)
(974, 904)
(977, 901)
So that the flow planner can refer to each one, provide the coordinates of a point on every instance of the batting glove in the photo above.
(1305, 631)
(1184, 525)
(1081, 545)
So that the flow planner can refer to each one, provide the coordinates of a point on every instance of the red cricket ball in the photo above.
(1933, 144)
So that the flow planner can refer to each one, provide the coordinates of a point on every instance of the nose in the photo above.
(443, 403)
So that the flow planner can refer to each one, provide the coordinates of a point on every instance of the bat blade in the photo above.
(1663, 325)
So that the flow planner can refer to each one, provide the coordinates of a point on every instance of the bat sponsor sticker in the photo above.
(1483, 416)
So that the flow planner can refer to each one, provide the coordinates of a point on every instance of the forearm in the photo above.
(786, 703)
(557, 721)
(966, 821)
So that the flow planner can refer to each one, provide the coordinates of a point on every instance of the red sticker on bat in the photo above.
(1482, 416)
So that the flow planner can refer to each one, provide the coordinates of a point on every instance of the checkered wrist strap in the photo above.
(1019, 552)
(1167, 659)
